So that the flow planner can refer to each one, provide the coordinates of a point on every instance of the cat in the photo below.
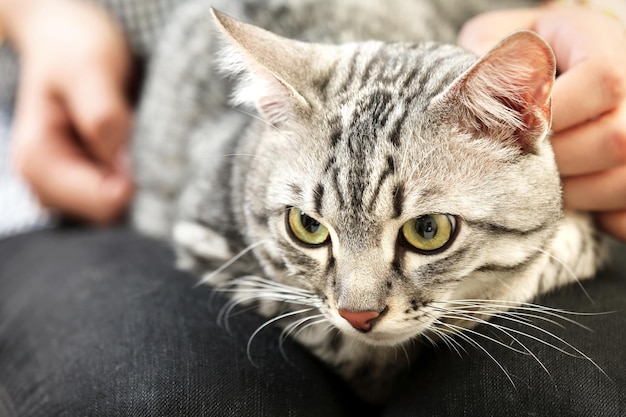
(380, 192)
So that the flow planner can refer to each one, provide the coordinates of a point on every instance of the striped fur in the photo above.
(364, 137)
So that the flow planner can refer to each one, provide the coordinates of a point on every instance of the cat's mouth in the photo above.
(386, 338)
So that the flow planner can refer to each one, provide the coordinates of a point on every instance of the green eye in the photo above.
(430, 232)
(305, 228)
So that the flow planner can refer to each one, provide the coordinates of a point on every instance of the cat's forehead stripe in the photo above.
(337, 188)
(381, 180)
(495, 228)
(398, 200)
(395, 133)
(318, 197)
(445, 270)
(416, 64)
(515, 268)
(345, 84)
(296, 190)
(369, 66)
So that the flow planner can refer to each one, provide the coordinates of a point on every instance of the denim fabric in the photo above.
(6, 404)
(448, 383)
(98, 323)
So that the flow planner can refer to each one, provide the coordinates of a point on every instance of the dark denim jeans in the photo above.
(99, 323)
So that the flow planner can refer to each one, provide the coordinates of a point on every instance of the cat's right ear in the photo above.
(273, 70)
(506, 94)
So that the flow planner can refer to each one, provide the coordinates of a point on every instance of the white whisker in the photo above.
(228, 263)
(255, 281)
(287, 331)
(452, 315)
(430, 339)
(301, 326)
(525, 350)
(251, 155)
(448, 340)
(461, 315)
(266, 324)
(313, 323)
(259, 118)
(500, 305)
(329, 328)
(226, 312)
(455, 315)
(568, 270)
(293, 326)
(255, 290)
(476, 344)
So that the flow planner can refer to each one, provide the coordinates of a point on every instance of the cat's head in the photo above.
(390, 179)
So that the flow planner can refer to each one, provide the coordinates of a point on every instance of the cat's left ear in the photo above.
(506, 95)
(275, 72)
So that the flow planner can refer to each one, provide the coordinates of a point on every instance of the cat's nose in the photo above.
(360, 320)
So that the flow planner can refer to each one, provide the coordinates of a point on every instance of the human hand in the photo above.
(72, 119)
(589, 101)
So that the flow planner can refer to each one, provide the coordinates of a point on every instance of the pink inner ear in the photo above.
(542, 98)
(275, 99)
(511, 86)
(527, 66)
(275, 109)
(270, 68)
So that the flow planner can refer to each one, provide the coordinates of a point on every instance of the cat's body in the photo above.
(329, 209)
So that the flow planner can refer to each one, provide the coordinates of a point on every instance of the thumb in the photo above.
(71, 183)
(61, 175)
(484, 31)
(98, 109)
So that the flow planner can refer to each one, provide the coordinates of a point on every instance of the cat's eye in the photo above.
(429, 233)
(305, 228)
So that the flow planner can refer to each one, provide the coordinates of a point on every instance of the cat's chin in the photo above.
(382, 338)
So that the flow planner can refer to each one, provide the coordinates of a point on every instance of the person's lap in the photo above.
(544, 381)
(100, 323)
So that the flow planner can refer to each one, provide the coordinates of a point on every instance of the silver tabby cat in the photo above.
(380, 192)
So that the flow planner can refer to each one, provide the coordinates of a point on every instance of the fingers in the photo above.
(60, 173)
(587, 46)
(72, 120)
(593, 86)
(93, 85)
(591, 80)
(71, 183)
(603, 191)
(592, 147)
(613, 223)
(484, 31)
(101, 114)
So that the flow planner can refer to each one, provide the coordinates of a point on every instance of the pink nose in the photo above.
(360, 320)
